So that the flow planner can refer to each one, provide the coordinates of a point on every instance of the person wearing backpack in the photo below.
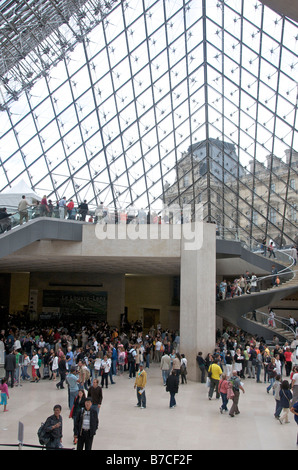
(286, 396)
(131, 358)
(50, 433)
(236, 383)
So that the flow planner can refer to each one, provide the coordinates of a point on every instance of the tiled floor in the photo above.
(195, 424)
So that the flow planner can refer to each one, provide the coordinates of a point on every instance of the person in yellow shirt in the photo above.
(140, 384)
(214, 373)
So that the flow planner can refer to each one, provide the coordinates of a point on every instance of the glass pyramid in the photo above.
(152, 102)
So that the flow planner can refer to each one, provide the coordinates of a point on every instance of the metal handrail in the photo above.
(277, 319)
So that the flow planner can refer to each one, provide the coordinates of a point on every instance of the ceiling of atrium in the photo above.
(101, 100)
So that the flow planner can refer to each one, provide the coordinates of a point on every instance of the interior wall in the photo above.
(151, 292)
(113, 284)
(19, 292)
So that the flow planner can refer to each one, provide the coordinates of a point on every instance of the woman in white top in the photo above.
(105, 368)
(183, 369)
(294, 385)
(35, 367)
(97, 365)
(55, 367)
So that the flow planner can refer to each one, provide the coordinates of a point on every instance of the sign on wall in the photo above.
(75, 304)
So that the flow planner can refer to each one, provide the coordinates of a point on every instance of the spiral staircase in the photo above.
(239, 310)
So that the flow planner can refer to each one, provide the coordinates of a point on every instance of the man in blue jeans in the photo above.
(73, 386)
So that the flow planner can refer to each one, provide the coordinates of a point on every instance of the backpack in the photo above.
(130, 356)
(43, 436)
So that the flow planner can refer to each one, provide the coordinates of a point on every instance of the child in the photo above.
(285, 400)
(4, 393)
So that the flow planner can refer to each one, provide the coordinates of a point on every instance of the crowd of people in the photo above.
(85, 359)
(238, 357)
(67, 209)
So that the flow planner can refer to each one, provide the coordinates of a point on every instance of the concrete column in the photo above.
(197, 303)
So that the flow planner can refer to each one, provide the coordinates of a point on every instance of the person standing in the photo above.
(10, 367)
(202, 366)
(83, 210)
(271, 248)
(53, 429)
(86, 425)
(172, 386)
(140, 384)
(131, 358)
(288, 361)
(165, 365)
(235, 380)
(183, 369)
(23, 209)
(62, 206)
(44, 207)
(4, 393)
(62, 372)
(73, 386)
(95, 393)
(105, 370)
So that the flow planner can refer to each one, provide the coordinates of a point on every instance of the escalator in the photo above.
(42, 228)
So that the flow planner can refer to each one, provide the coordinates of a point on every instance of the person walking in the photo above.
(165, 365)
(214, 373)
(235, 380)
(271, 371)
(86, 426)
(286, 396)
(10, 367)
(172, 386)
(140, 384)
(277, 388)
(223, 390)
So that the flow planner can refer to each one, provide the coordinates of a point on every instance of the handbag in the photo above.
(71, 412)
(230, 393)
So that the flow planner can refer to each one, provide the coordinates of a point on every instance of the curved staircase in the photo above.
(235, 309)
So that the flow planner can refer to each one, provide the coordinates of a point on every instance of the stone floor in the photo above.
(195, 424)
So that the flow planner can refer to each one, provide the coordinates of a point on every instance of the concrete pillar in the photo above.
(197, 304)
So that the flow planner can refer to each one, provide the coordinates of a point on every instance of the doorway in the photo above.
(151, 317)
